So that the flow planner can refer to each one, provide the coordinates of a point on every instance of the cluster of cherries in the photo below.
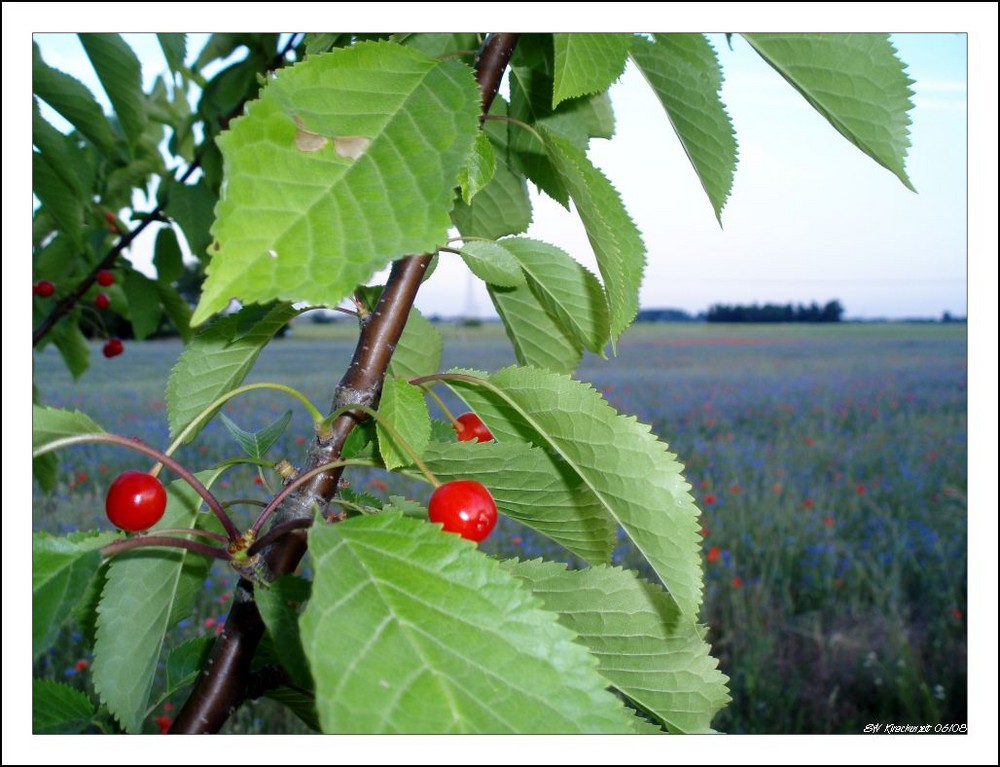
(102, 301)
(136, 501)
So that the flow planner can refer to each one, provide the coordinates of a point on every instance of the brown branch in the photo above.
(224, 682)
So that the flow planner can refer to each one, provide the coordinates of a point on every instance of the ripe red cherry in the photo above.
(113, 347)
(102, 301)
(105, 278)
(44, 288)
(464, 507)
(470, 426)
(135, 501)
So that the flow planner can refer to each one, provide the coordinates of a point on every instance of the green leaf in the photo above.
(147, 592)
(321, 42)
(61, 569)
(167, 256)
(280, 605)
(538, 339)
(587, 63)
(256, 443)
(628, 471)
(617, 244)
(63, 202)
(684, 73)
(403, 407)
(177, 310)
(436, 44)
(45, 470)
(57, 149)
(143, 303)
(49, 424)
(492, 263)
(531, 487)
(58, 709)
(74, 101)
(647, 649)
(569, 292)
(303, 706)
(856, 82)
(120, 74)
(217, 360)
(191, 206)
(186, 661)
(346, 162)
(502, 206)
(418, 352)
(72, 345)
(174, 47)
(480, 169)
(412, 630)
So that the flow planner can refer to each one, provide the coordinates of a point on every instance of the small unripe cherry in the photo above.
(102, 301)
(44, 288)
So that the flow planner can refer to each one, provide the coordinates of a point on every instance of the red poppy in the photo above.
(709, 499)
(706, 531)
(713, 554)
(861, 489)
(808, 503)
(829, 521)
(82, 665)
(737, 582)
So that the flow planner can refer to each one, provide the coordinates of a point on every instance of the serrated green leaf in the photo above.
(61, 569)
(177, 310)
(403, 407)
(587, 63)
(651, 653)
(174, 47)
(143, 303)
(303, 706)
(186, 662)
(45, 469)
(50, 423)
(477, 174)
(321, 42)
(630, 473)
(346, 162)
(62, 202)
(217, 360)
(684, 73)
(538, 340)
(120, 74)
(856, 82)
(531, 487)
(191, 206)
(167, 256)
(492, 263)
(440, 44)
(617, 244)
(397, 504)
(146, 593)
(58, 709)
(56, 148)
(72, 345)
(280, 605)
(256, 443)
(74, 101)
(419, 349)
(502, 206)
(433, 637)
(570, 294)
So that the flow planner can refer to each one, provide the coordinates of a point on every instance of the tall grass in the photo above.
(830, 464)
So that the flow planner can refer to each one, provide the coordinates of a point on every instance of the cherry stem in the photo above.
(293, 485)
(436, 397)
(166, 460)
(192, 531)
(205, 414)
(522, 123)
(146, 541)
(244, 502)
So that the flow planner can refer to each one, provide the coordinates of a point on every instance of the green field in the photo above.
(830, 463)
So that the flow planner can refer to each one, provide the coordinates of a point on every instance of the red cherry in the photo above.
(113, 347)
(135, 501)
(470, 426)
(102, 301)
(44, 288)
(464, 507)
(105, 278)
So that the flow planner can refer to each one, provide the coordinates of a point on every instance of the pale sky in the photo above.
(810, 217)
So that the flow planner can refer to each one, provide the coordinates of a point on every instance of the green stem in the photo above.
(522, 123)
(434, 396)
(166, 460)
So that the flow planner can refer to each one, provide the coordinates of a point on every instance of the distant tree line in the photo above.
(831, 312)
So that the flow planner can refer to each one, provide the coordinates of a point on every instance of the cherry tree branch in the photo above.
(225, 680)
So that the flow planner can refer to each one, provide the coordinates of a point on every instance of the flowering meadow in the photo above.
(830, 463)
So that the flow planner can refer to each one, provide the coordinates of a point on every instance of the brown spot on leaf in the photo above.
(351, 147)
